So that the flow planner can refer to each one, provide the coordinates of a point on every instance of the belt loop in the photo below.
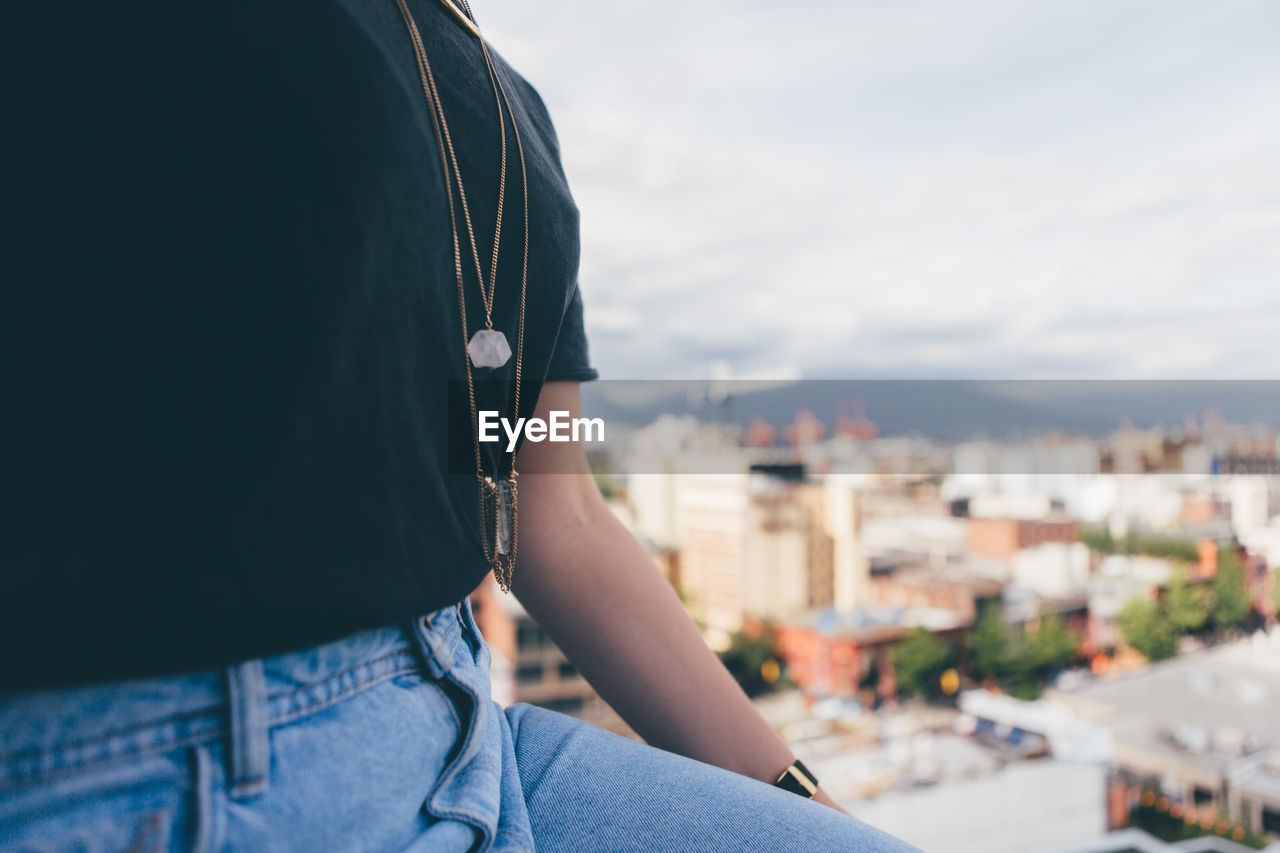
(432, 650)
(250, 752)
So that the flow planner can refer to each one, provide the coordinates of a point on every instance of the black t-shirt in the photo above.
(230, 318)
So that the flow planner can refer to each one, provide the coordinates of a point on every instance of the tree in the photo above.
(919, 661)
(1231, 601)
(1052, 646)
(751, 656)
(1188, 606)
(1101, 540)
(1020, 660)
(1147, 629)
(989, 644)
(1034, 656)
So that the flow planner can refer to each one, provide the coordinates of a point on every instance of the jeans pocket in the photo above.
(159, 802)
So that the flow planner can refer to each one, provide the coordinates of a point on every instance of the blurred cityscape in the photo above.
(1062, 643)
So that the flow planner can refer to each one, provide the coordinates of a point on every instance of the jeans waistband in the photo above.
(51, 731)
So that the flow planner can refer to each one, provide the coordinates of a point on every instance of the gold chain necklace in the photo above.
(487, 348)
(498, 496)
(464, 16)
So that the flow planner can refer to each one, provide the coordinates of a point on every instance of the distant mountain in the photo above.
(947, 410)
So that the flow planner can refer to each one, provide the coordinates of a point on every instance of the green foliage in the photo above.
(1052, 646)
(1275, 590)
(1148, 629)
(1231, 601)
(989, 644)
(920, 660)
(1021, 661)
(1188, 606)
(746, 658)
(1036, 655)
(1101, 540)
(1098, 539)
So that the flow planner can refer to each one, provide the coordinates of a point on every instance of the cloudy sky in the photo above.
(918, 188)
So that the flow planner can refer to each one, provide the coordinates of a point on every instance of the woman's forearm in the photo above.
(598, 594)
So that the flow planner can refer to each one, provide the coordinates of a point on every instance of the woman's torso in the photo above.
(232, 320)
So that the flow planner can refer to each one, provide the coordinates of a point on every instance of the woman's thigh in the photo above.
(587, 789)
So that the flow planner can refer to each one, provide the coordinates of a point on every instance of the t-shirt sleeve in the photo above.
(570, 360)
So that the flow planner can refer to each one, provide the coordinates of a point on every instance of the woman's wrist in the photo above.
(797, 779)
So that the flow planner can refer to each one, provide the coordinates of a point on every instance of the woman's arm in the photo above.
(597, 593)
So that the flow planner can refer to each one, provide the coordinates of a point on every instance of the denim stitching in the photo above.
(193, 716)
(451, 769)
(370, 678)
(156, 737)
(176, 720)
(322, 693)
(519, 838)
(283, 694)
(301, 712)
(59, 772)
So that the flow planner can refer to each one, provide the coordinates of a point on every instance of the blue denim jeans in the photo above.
(386, 740)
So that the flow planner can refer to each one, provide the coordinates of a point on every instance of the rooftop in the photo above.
(1209, 711)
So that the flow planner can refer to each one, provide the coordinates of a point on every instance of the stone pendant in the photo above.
(489, 348)
(504, 527)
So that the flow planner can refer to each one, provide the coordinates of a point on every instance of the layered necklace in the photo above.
(488, 348)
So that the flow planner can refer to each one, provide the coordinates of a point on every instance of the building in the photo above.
(1020, 806)
(1053, 569)
(952, 588)
(1118, 579)
(1200, 730)
(766, 544)
(835, 653)
(1002, 538)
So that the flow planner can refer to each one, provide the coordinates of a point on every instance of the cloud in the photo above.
(988, 188)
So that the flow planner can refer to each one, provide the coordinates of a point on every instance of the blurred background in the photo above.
(1055, 638)
(921, 188)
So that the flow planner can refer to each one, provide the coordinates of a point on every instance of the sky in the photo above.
(917, 188)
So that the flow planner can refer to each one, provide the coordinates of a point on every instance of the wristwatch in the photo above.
(798, 780)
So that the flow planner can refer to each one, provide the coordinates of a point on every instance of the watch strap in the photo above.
(798, 780)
